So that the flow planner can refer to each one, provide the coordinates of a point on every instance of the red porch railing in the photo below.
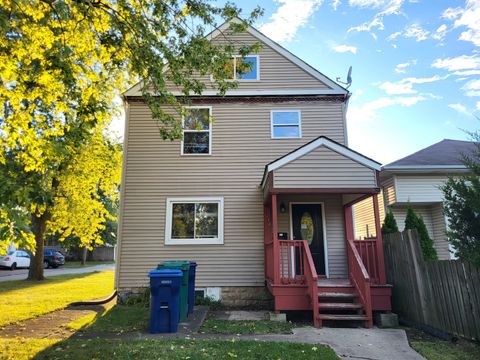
(367, 249)
(359, 277)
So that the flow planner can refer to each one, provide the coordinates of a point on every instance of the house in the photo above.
(416, 181)
(260, 195)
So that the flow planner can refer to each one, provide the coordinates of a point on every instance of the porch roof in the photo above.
(322, 163)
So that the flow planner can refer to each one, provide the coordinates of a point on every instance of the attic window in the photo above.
(244, 68)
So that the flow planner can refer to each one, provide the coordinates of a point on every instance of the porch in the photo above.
(312, 260)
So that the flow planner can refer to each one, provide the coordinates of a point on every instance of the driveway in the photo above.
(21, 274)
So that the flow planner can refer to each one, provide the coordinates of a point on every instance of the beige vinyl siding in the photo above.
(334, 223)
(364, 216)
(324, 168)
(419, 188)
(241, 146)
(400, 213)
(276, 72)
(388, 187)
(439, 232)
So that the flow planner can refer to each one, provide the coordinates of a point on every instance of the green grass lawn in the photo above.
(20, 300)
(435, 349)
(122, 318)
(78, 264)
(183, 349)
(213, 326)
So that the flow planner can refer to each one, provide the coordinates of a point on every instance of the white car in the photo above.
(15, 259)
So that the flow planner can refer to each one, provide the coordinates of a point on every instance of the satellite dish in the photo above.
(349, 79)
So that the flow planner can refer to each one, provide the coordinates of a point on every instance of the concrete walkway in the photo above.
(7, 275)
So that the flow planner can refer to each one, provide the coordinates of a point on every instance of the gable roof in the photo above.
(335, 88)
(446, 154)
(314, 144)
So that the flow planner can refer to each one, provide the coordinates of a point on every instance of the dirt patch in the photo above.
(51, 325)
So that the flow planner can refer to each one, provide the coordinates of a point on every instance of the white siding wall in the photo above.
(419, 188)
(334, 223)
(439, 232)
(435, 222)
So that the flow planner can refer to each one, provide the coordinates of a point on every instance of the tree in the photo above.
(61, 65)
(413, 221)
(389, 224)
(462, 207)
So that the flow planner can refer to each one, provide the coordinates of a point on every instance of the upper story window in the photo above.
(244, 68)
(197, 130)
(197, 220)
(286, 124)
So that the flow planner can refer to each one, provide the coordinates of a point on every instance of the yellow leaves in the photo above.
(186, 10)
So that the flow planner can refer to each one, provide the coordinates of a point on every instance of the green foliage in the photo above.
(413, 221)
(208, 301)
(462, 207)
(62, 63)
(389, 224)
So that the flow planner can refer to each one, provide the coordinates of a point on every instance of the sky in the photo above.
(416, 65)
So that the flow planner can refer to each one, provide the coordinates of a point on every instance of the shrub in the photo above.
(413, 221)
(389, 224)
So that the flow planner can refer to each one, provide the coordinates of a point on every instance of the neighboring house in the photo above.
(239, 193)
(415, 181)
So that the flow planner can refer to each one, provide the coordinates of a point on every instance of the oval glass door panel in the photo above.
(306, 227)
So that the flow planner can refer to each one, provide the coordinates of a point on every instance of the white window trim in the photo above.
(209, 131)
(299, 124)
(205, 199)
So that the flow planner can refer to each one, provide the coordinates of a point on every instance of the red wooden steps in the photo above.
(339, 306)
(343, 317)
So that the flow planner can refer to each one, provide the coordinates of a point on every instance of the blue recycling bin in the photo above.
(191, 286)
(164, 300)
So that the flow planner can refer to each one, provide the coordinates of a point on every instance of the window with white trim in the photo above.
(244, 68)
(286, 124)
(191, 221)
(197, 131)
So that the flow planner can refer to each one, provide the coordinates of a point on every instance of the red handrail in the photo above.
(361, 281)
(311, 278)
(367, 250)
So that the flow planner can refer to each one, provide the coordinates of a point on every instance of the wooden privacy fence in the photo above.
(444, 294)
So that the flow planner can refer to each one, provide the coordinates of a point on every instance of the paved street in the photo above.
(21, 274)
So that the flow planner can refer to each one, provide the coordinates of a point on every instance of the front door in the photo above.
(307, 224)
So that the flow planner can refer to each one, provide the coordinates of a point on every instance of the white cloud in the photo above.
(459, 108)
(394, 36)
(367, 112)
(289, 17)
(440, 32)
(472, 88)
(468, 17)
(402, 68)
(417, 32)
(463, 62)
(345, 48)
(452, 13)
(335, 4)
(405, 86)
(387, 7)
(478, 105)
(467, 72)
(367, 3)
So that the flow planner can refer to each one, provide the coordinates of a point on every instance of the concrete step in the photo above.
(342, 317)
(339, 306)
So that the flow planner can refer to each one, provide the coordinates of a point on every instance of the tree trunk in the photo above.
(39, 227)
(84, 255)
